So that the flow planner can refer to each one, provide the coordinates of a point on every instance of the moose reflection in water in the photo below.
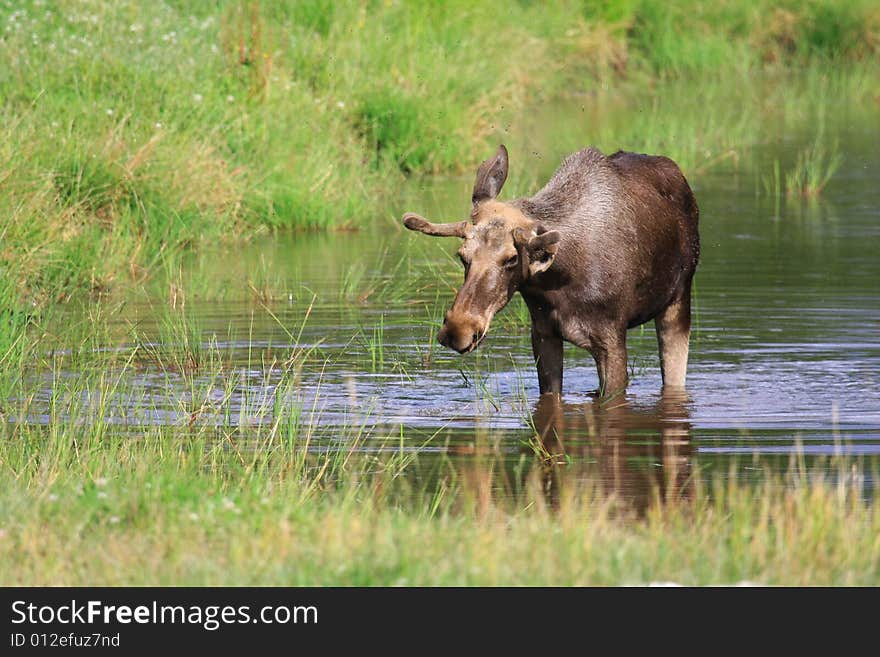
(638, 454)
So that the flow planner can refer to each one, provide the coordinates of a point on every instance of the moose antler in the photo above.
(414, 221)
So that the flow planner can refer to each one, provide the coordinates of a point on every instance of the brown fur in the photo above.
(513, 217)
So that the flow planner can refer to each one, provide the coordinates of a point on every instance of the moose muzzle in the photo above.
(462, 332)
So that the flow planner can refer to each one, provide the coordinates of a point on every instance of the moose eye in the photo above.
(511, 261)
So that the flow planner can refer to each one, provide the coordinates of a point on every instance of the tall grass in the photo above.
(814, 167)
(685, 37)
(82, 507)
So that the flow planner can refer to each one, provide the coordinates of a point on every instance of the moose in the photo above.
(609, 243)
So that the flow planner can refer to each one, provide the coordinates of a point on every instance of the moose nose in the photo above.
(460, 334)
(443, 336)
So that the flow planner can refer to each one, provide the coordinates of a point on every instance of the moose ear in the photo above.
(541, 249)
(490, 177)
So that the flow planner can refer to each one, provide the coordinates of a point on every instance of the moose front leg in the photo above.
(547, 349)
(611, 363)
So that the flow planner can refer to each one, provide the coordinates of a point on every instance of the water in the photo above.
(785, 351)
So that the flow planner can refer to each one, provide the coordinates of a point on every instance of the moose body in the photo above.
(609, 243)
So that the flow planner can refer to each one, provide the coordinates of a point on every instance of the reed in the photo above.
(813, 169)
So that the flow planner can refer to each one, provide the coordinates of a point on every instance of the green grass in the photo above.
(134, 130)
(682, 36)
(772, 184)
(89, 508)
(814, 167)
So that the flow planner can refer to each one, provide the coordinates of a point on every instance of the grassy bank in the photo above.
(162, 510)
(132, 129)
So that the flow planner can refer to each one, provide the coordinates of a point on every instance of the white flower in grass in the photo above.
(109, 112)
(230, 99)
(197, 98)
(114, 520)
(100, 482)
(194, 517)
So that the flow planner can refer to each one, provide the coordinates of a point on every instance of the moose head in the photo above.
(502, 248)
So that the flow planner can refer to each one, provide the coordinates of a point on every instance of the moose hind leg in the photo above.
(673, 337)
